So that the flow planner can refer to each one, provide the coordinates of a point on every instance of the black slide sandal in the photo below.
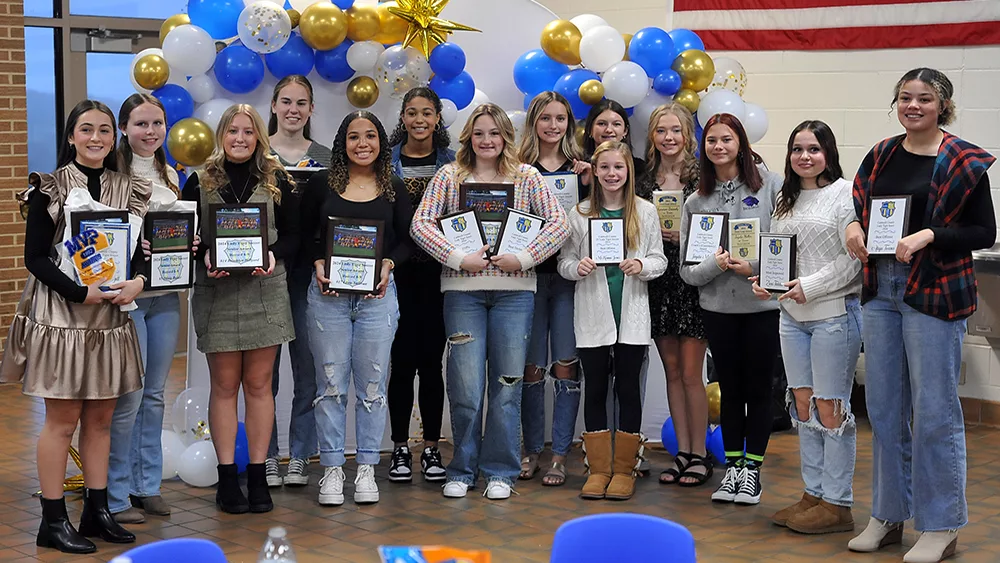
(696, 461)
(681, 462)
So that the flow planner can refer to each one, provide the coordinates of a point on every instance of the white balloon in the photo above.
(211, 111)
(721, 101)
(189, 49)
(460, 120)
(602, 47)
(172, 447)
(478, 99)
(517, 118)
(626, 83)
(644, 110)
(449, 112)
(363, 55)
(755, 122)
(201, 88)
(264, 27)
(586, 22)
(198, 465)
(190, 414)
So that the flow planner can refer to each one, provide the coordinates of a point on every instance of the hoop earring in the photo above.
(438, 126)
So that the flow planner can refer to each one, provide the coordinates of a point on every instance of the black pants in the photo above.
(745, 350)
(418, 348)
(625, 362)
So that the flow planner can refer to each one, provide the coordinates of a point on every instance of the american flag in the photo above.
(776, 25)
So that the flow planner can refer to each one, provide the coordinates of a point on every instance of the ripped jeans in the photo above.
(821, 355)
(350, 338)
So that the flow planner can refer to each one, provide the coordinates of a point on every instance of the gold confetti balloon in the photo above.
(729, 75)
(264, 27)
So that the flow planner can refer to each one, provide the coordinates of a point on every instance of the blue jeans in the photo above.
(351, 338)
(913, 363)
(552, 326)
(821, 356)
(302, 427)
(135, 465)
(483, 326)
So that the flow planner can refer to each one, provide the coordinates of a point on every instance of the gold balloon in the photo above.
(688, 99)
(362, 92)
(561, 41)
(170, 23)
(191, 141)
(392, 28)
(581, 134)
(696, 69)
(714, 397)
(295, 16)
(323, 26)
(151, 72)
(591, 92)
(628, 41)
(362, 23)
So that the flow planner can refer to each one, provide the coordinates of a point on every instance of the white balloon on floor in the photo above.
(198, 465)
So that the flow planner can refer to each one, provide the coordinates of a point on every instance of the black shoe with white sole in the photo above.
(750, 490)
(431, 466)
(730, 485)
(399, 467)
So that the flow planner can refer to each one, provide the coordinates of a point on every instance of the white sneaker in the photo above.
(331, 487)
(297, 474)
(729, 487)
(497, 490)
(877, 535)
(271, 472)
(365, 488)
(932, 547)
(455, 489)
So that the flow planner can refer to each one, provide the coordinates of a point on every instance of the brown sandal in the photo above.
(555, 476)
(529, 467)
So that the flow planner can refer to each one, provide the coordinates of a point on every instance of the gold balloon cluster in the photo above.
(191, 141)
(695, 68)
(362, 92)
(362, 23)
(151, 72)
(561, 42)
(714, 397)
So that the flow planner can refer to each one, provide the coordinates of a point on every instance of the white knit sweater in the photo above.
(162, 196)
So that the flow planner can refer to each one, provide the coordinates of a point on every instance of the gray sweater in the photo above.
(726, 291)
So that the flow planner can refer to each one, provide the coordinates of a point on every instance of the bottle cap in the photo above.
(277, 532)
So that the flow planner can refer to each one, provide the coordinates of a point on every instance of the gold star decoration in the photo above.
(425, 25)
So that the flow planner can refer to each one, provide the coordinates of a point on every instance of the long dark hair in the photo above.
(272, 123)
(67, 152)
(792, 187)
(589, 144)
(745, 158)
(441, 137)
(339, 174)
(125, 149)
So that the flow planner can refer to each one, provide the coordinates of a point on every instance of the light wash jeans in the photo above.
(486, 327)
(351, 338)
(821, 356)
(135, 465)
(913, 363)
(552, 325)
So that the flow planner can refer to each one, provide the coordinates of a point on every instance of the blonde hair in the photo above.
(689, 168)
(465, 158)
(568, 146)
(266, 167)
(630, 212)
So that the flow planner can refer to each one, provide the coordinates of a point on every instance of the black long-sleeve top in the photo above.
(320, 202)
(40, 231)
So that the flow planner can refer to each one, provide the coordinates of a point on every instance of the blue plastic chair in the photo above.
(177, 550)
(622, 536)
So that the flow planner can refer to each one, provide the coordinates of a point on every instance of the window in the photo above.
(104, 78)
(38, 8)
(159, 9)
(40, 79)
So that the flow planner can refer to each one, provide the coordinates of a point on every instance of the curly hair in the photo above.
(340, 175)
(266, 166)
(690, 167)
(938, 82)
(441, 137)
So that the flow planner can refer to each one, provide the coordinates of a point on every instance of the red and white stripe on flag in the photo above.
(774, 25)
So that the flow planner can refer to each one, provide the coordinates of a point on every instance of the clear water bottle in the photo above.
(277, 547)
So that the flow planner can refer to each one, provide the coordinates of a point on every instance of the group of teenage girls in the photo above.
(505, 322)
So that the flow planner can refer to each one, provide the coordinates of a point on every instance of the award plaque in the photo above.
(463, 230)
(743, 237)
(490, 201)
(668, 207)
(607, 240)
(354, 254)
(518, 230)
(117, 254)
(171, 238)
(706, 233)
(888, 220)
(237, 235)
(777, 261)
(565, 186)
(301, 174)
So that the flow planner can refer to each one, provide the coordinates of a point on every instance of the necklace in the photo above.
(360, 185)
(241, 198)
(480, 178)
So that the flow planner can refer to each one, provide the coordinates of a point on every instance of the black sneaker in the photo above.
(730, 485)
(750, 490)
(431, 466)
(399, 467)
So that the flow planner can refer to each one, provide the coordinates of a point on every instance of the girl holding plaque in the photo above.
(487, 302)
(742, 331)
(673, 304)
(419, 149)
(242, 318)
(921, 296)
(612, 317)
(71, 344)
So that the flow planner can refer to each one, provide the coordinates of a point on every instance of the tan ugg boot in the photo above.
(781, 517)
(628, 456)
(824, 518)
(597, 458)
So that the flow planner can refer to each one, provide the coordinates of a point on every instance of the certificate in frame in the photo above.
(606, 240)
(171, 238)
(777, 261)
(237, 236)
(354, 254)
(490, 200)
(888, 222)
(517, 231)
(706, 233)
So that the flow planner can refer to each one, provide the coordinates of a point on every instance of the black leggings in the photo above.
(625, 362)
(417, 348)
(745, 351)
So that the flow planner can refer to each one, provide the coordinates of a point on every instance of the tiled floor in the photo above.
(519, 529)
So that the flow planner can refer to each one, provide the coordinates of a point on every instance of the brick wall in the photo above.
(13, 157)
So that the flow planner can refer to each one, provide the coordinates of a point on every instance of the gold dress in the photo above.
(64, 350)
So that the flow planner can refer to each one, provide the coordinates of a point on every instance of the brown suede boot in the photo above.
(824, 518)
(628, 455)
(781, 517)
(597, 458)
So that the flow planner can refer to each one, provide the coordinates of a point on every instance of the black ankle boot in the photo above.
(56, 531)
(97, 521)
(257, 491)
(229, 497)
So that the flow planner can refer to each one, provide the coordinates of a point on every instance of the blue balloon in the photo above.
(343, 4)
(238, 69)
(217, 17)
(177, 102)
(669, 436)
(652, 49)
(459, 90)
(242, 453)
(667, 82)
(294, 58)
(527, 101)
(685, 39)
(698, 132)
(535, 72)
(332, 65)
(629, 111)
(569, 86)
(713, 443)
(447, 60)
